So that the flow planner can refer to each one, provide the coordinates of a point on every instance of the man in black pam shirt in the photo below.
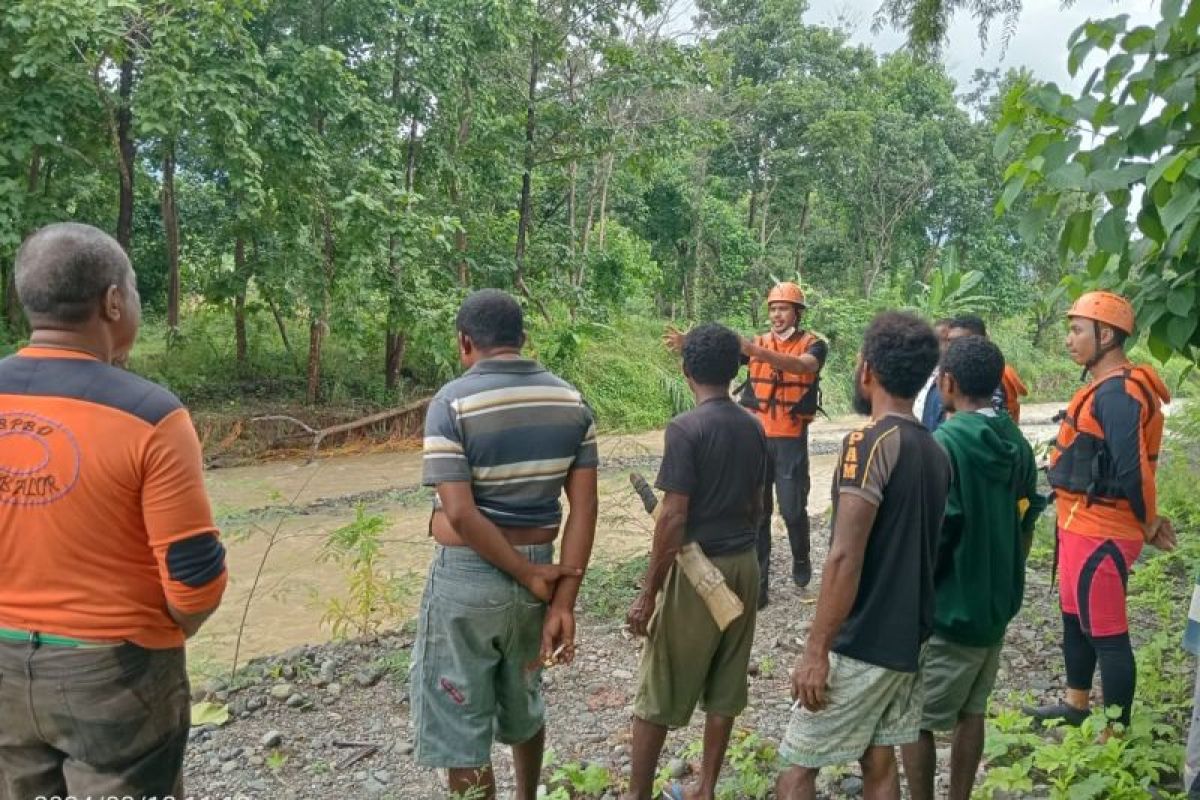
(856, 684)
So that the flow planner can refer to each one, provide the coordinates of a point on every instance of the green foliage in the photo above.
(1130, 134)
(951, 291)
(375, 596)
(610, 586)
(396, 664)
(276, 759)
(1084, 764)
(341, 177)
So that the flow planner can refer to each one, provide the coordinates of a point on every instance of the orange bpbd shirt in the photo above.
(100, 472)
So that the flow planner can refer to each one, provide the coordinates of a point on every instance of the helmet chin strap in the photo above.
(1101, 352)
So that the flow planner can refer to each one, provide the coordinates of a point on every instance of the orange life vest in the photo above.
(784, 401)
(1089, 500)
(1014, 390)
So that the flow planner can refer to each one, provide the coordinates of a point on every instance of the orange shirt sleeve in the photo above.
(175, 508)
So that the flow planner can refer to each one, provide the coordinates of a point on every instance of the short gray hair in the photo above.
(63, 270)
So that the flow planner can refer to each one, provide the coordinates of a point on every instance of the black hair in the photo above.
(491, 318)
(902, 350)
(943, 322)
(976, 364)
(712, 354)
(63, 271)
(970, 322)
(1119, 337)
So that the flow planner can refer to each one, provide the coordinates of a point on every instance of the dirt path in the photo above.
(297, 504)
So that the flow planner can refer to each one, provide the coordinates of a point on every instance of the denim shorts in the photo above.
(476, 677)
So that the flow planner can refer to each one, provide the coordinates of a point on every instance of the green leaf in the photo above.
(1110, 180)
(1117, 68)
(1033, 220)
(1097, 264)
(1175, 162)
(1011, 190)
(1138, 40)
(206, 713)
(1003, 141)
(1183, 202)
(1182, 301)
(1055, 155)
(1127, 117)
(1160, 349)
(1076, 232)
(1069, 176)
(1149, 224)
(1178, 165)
(1171, 10)
(1180, 330)
(1111, 232)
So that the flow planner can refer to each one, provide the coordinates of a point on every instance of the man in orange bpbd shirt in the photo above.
(108, 551)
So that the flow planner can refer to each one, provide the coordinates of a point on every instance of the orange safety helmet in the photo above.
(787, 292)
(1106, 307)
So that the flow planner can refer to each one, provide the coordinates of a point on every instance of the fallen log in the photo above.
(320, 434)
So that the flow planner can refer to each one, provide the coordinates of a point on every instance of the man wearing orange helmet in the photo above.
(784, 393)
(1102, 469)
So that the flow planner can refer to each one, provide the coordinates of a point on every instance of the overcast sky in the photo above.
(1039, 42)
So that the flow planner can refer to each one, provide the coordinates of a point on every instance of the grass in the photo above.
(610, 587)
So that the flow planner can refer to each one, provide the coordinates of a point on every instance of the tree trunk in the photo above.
(395, 340)
(170, 218)
(462, 267)
(127, 153)
(608, 168)
(697, 236)
(801, 229)
(319, 326)
(279, 323)
(13, 315)
(588, 221)
(396, 344)
(526, 205)
(239, 302)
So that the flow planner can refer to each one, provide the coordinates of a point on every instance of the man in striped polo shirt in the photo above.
(502, 442)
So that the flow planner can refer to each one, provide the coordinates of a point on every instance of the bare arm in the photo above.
(839, 587)
(578, 534)
(485, 538)
(797, 365)
(189, 623)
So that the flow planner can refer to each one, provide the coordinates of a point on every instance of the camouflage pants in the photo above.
(92, 722)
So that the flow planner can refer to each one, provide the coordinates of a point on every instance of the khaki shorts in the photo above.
(687, 659)
(476, 675)
(868, 706)
(957, 680)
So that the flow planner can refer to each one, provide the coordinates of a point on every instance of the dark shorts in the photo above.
(99, 722)
(1093, 574)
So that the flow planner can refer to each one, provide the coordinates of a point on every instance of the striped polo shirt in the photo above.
(514, 430)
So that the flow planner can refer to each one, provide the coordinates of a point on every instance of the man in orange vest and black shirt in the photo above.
(1102, 469)
(784, 392)
(108, 551)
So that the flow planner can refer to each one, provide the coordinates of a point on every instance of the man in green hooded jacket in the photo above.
(979, 571)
